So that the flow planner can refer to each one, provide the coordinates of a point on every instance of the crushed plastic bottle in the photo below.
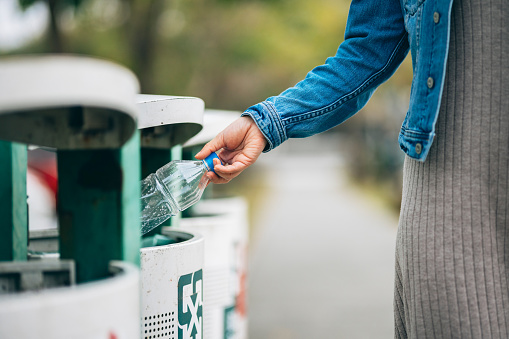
(171, 189)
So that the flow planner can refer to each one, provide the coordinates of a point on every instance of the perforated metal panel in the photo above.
(160, 326)
(172, 282)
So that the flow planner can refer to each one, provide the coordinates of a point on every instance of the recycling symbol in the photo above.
(190, 305)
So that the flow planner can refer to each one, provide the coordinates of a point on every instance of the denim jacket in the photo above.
(377, 39)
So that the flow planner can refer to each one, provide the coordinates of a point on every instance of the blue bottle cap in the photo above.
(209, 161)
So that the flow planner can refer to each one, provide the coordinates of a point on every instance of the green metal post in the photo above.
(99, 207)
(131, 207)
(13, 202)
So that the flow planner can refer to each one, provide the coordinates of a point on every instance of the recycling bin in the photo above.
(66, 102)
(84, 109)
(172, 287)
(165, 123)
(171, 262)
(224, 226)
(82, 281)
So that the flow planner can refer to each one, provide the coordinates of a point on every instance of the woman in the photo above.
(452, 265)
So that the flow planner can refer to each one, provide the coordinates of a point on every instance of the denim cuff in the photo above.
(269, 122)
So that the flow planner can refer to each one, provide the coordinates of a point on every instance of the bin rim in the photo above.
(191, 238)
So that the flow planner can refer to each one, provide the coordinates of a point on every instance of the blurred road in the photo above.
(322, 252)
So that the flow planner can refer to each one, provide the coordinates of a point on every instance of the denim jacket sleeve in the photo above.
(375, 44)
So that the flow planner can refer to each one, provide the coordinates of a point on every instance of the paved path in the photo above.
(322, 253)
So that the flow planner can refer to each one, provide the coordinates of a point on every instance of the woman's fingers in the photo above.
(226, 172)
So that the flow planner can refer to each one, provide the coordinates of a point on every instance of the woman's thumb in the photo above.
(212, 146)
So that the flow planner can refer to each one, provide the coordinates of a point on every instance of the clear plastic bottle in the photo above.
(171, 189)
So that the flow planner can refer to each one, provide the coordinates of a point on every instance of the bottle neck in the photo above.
(208, 162)
(206, 165)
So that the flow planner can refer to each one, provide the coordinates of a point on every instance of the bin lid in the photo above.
(66, 101)
(166, 121)
(214, 121)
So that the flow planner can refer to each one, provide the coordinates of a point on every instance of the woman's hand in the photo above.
(240, 143)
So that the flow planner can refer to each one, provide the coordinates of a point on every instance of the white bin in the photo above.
(224, 225)
(172, 288)
(103, 309)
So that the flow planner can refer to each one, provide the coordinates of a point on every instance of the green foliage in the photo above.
(24, 4)
(241, 53)
(230, 53)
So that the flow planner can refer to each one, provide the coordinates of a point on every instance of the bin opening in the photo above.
(166, 239)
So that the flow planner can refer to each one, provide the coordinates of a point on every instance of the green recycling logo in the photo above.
(190, 305)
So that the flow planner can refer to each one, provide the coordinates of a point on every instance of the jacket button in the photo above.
(430, 82)
(418, 148)
(436, 17)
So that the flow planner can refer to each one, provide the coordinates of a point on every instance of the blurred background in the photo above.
(323, 210)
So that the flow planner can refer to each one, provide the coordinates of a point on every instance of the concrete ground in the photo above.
(321, 251)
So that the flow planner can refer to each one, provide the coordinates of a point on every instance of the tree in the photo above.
(54, 33)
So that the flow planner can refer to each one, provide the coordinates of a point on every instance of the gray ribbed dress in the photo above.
(452, 256)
